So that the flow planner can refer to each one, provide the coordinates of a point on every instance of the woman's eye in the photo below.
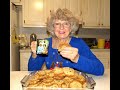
(57, 23)
(66, 24)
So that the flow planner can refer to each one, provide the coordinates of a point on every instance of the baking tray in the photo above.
(90, 83)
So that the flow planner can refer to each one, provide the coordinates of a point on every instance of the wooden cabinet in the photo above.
(24, 57)
(75, 6)
(103, 56)
(34, 16)
(17, 2)
(96, 13)
(105, 13)
(48, 4)
(53, 5)
(92, 14)
(33, 13)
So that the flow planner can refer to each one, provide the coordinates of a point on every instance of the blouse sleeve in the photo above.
(35, 64)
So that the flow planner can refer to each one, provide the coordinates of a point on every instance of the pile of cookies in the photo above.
(57, 78)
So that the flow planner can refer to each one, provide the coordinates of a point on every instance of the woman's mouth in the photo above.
(61, 32)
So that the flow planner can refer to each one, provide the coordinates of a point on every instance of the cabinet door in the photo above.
(105, 13)
(75, 6)
(24, 57)
(14, 14)
(33, 13)
(49, 6)
(90, 13)
(59, 4)
(53, 5)
(15, 1)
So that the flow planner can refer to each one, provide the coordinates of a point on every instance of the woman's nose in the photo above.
(61, 26)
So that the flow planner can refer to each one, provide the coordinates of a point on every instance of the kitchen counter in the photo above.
(100, 50)
(102, 82)
(29, 50)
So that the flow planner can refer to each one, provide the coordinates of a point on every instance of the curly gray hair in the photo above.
(62, 14)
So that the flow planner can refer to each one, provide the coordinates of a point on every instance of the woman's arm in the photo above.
(89, 65)
(35, 64)
(87, 61)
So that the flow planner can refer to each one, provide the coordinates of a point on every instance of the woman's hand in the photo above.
(70, 53)
(33, 48)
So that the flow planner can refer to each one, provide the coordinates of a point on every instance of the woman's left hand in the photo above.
(70, 53)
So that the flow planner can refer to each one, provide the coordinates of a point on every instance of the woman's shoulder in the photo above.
(77, 39)
(78, 42)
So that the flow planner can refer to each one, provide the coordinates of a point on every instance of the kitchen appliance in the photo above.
(91, 42)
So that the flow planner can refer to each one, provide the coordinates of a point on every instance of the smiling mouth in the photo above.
(61, 32)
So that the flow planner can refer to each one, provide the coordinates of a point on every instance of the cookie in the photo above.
(62, 46)
(68, 71)
(75, 84)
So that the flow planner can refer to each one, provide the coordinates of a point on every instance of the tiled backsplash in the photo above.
(83, 33)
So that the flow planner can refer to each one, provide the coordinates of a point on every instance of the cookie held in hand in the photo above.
(62, 46)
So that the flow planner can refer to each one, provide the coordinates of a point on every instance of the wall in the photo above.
(83, 32)
(14, 47)
(94, 33)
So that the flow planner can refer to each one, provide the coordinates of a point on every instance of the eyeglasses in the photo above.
(58, 25)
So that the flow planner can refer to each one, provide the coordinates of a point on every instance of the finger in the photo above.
(34, 51)
(34, 43)
(70, 51)
(69, 56)
(68, 48)
(33, 46)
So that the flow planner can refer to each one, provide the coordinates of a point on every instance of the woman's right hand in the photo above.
(33, 48)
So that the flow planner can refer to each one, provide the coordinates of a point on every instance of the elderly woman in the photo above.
(62, 25)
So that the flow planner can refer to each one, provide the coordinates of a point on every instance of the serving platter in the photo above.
(90, 83)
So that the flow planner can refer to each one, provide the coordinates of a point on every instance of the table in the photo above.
(102, 82)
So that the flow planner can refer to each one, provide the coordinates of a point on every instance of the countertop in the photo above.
(102, 82)
(95, 50)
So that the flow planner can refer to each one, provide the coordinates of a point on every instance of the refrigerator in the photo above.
(14, 46)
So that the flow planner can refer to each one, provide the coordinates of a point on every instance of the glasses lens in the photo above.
(65, 24)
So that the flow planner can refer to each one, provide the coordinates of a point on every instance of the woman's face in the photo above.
(62, 29)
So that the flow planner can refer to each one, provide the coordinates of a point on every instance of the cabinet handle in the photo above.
(83, 23)
(102, 24)
(80, 13)
(24, 21)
